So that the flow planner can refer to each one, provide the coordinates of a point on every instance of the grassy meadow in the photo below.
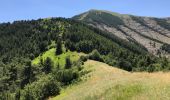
(108, 83)
(60, 59)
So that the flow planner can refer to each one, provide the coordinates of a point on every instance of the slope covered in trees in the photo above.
(22, 43)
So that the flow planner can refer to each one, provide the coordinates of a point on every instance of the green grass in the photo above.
(119, 92)
(108, 83)
(52, 45)
(59, 59)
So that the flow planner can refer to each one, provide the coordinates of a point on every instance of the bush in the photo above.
(42, 89)
(125, 65)
(29, 95)
(151, 68)
(83, 58)
(18, 95)
(95, 55)
(6, 95)
(67, 76)
(110, 61)
(51, 88)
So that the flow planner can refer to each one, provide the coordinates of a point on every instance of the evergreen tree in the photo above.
(13, 73)
(17, 95)
(48, 64)
(68, 63)
(29, 95)
(164, 62)
(59, 47)
(27, 74)
(95, 55)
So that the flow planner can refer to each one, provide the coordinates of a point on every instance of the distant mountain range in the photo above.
(152, 33)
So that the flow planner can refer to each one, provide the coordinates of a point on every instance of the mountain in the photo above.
(39, 58)
(152, 33)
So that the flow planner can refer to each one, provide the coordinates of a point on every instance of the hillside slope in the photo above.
(44, 54)
(150, 32)
(107, 83)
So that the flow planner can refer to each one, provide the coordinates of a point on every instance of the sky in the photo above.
(11, 10)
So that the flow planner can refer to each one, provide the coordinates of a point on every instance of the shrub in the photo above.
(67, 76)
(29, 95)
(50, 88)
(125, 65)
(41, 89)
(95, 55)
(83, 58)
(150, 68)
(18, 95)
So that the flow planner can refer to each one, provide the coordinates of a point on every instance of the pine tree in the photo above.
(59, 47)
(48, 64)
(95, 55)
(68, 63)
(13, 73)
(17, 95)
(27, 74)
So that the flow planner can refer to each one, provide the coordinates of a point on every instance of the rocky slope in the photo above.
(150, 32)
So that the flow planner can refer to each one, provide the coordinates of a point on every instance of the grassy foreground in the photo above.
(108, 83)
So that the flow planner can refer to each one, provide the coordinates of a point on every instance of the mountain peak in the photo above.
(143, 30)
(95, 13)
(104, 11)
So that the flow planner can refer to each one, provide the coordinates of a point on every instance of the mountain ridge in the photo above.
(151, 32)
(112, 12)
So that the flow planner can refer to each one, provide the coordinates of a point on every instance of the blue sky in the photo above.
(11, 10)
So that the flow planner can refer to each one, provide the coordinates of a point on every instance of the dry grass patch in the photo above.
(108, 83)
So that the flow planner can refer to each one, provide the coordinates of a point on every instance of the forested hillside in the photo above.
(152, 33)
(39, 57)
